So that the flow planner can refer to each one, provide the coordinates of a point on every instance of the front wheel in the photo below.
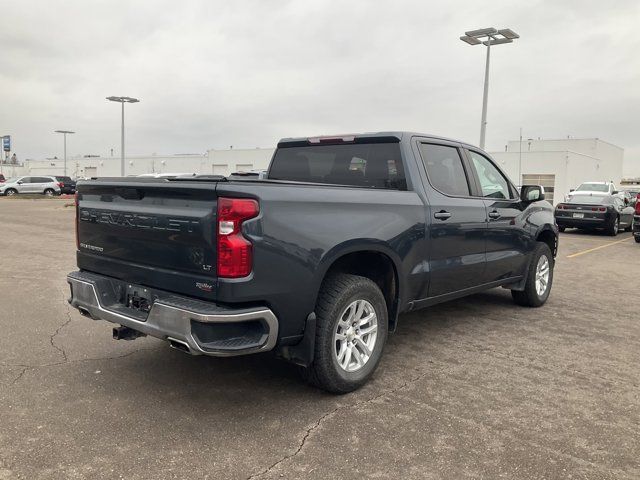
(351, 331)
(10, 192)
(637, 239)
(562, 229)
(539, 278)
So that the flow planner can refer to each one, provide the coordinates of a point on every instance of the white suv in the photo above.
(45, 185)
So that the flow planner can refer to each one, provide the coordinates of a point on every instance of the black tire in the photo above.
(562, 229)
(10, 192)
(337, 293)
(637, 239)
(49, 192)
(614, 227)
(529, 296)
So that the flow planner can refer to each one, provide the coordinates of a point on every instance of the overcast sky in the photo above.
(245, 73)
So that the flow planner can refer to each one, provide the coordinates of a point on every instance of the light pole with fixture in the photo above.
(491, 36)
(64, 133)
(122, 100)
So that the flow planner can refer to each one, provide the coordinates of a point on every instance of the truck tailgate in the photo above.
(149, 231)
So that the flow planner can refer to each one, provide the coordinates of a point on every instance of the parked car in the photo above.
(604, 212)
(636, 219)
(588, 188)
(166, 175)
(67, 185)
(30, 184)
(316, 261)
(250, 175)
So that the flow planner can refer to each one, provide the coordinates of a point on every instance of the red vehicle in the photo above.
(2, 179)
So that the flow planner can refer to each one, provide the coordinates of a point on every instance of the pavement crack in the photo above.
(79, 360)
(318, 423)
(52, 337)
(22, 372)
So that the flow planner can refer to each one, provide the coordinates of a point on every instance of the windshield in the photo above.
(592, 199)
(593, 187)
(13, 179)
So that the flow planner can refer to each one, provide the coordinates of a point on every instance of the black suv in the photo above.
(67, 185)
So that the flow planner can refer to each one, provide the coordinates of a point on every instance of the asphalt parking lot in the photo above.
(477, 388)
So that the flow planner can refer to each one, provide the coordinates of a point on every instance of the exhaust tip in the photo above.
(179, 345)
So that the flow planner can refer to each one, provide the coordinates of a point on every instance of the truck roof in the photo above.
(387, 136)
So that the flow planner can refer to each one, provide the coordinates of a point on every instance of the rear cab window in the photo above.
(445, 170)
(372, 165)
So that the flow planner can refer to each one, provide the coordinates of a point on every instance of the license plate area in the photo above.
(138, 298)
(578, 215)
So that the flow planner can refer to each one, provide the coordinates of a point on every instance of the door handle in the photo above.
(442, 215)
(494, 215)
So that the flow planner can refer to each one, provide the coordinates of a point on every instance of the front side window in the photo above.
(444, 169)
(492, 182)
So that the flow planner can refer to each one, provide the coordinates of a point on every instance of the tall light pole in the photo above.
(492, 37)
(64, 133)
(122, 100)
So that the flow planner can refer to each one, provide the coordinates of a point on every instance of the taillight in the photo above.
(60, 184)
(638, 205)
(602, 209)
(235, 252)
(77, 202)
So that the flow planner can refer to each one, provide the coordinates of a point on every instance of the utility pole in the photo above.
(122, 101)
(493, 37)
(64, 133)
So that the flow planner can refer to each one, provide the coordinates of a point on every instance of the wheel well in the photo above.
(548, 237)
(377, 267)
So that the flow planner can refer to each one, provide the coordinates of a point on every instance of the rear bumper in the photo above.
(581, 222)
(636, 225)
(204, 327)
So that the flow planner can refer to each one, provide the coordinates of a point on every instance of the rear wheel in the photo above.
(351, 331)
(539, 278)
(614, 227)
(562, 229)
(49, 192)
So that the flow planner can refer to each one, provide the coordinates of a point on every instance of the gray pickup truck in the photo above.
(316, 261)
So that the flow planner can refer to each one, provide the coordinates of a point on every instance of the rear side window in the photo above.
(374, 165)
(444, 169)
(41, 180)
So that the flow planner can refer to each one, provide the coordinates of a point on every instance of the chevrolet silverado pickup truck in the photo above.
(316, 261)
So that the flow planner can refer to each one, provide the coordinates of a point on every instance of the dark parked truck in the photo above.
(316, 261)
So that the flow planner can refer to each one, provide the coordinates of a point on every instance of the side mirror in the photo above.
(20, 182)
(532, 193)
(572, 190)
(615, 192)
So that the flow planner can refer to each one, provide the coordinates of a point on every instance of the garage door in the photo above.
(546, 180)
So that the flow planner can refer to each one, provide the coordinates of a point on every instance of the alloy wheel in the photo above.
(542, 275)
(356, 335)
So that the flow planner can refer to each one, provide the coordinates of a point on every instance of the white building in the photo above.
(560, 165)
(218, 162)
